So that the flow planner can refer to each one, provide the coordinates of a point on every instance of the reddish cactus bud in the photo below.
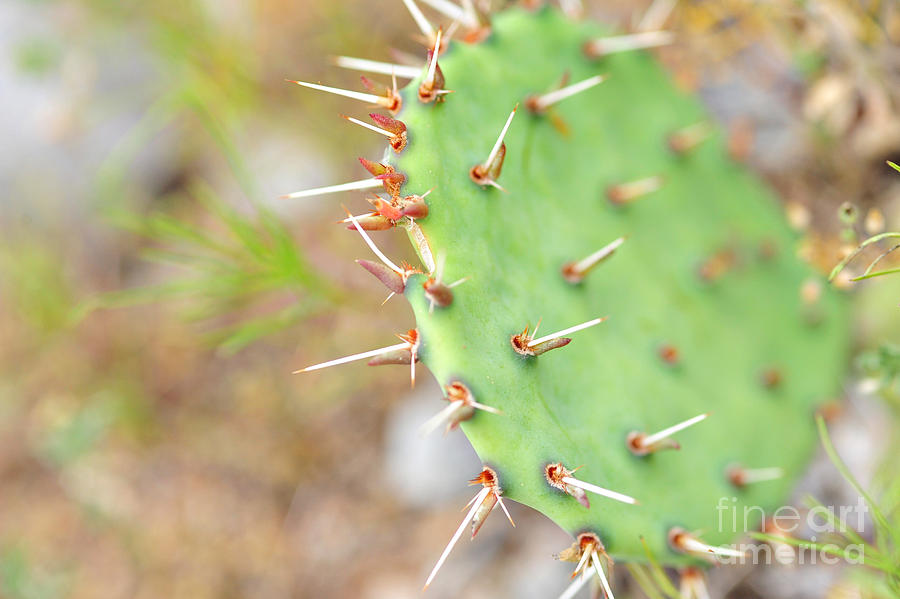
(395, 126)
(390, 178)
(371, 222)
(438, 293)
(526, 344)
(414, 207)
(376, 168)
(771, 378)
(555, 474)
(669, 354)
(386, 209)
(487, 174)
(432, 88)
(715, 267)
(392, 280)
(392, 182)
(389, 98)
(398, 128)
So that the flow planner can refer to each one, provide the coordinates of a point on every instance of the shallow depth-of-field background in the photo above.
(155, 295)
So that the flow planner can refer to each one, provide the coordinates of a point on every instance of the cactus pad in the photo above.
(703, 297)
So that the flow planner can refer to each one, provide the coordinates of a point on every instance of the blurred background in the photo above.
(155, 294)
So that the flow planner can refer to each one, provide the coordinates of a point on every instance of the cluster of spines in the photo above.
(396, 209)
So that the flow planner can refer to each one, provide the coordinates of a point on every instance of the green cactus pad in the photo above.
(576, 404)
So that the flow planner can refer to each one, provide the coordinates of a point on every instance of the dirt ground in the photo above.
(138, 458)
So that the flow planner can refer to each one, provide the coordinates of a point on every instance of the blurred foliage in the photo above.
(135, 464)
(20, 579)
(37, 56)
(882, 365)
(849, 214)
(652, 578)
(209, 80)
(237, 262)
(36, 285)
(879, 576)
